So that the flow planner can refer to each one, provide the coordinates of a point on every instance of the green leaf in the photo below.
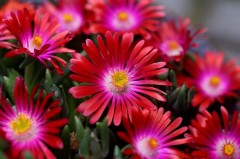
(10, 81)
(65, 136)
(28, 155)
(28, 60)
(181, 104)
(2, 156)
(190, 95)
(85, 143)
(95, 147)
(104, 134)
(173, 78)
(64, 101)
(48, 78)
(34, 73)
(75, 125)
(117, 153)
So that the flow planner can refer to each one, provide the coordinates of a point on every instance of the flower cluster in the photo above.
(112, 79)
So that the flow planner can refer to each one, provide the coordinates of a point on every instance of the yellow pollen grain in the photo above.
(173, 45)
(67, 17)
(228, 149)
(37, 40)
(215, 81)
(152, 143)
(119, 79)
(123, 16)
(21, 124)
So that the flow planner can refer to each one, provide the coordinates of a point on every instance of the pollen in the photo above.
(120, 79)
(152, 143)
(228, 149)
(37, 40)
(173, 45)
(123, 16)
(215, 81)
(67, 17)
(21, 124)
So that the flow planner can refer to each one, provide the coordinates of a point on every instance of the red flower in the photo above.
(28, 126)
(4, 37)
(152, 135)
(118, 75)
(213, 78)
(137, 16)
(174, 39)
(70, 14)
(215, 136)
(38, 38)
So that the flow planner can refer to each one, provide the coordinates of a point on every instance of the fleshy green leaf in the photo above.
(85, 144)
(117, 153)
(10, 81)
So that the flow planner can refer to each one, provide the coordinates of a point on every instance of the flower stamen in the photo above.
(119, 79)
(173, 45)
(215, 81)
(37, 40)
(67, 17)
(123, 16)
(228, 149)
(152, 143)
(21, 124)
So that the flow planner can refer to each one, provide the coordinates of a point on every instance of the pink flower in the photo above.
(152, 135)
(70, 14)
(216, 136)
(174, 39)
(118, 75)
(138, 16)
(28, 125)
(38, 38)
(213, 78)
(5, 36)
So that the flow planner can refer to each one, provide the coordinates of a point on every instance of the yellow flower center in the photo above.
(120, 79)
(228, 149)
(215, 81)
(173, 45)
(123, 16)
(21, 124)
(67, 17)
(37, 40)
(152, 143)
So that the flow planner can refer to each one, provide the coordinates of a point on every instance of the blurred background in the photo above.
(221, 17)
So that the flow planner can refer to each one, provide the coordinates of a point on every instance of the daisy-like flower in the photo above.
(5, 36)
(152, 135)
(14, 6)
(27, 125)
(213, 78)
(70, 14)
(38, 38)
(118, 75)
(174, 39)
(215, 136)
(137, 16)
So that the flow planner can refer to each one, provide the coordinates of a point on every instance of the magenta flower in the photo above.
(38, 38)
(138, 16)
(70, 14)
(5, 36)
(174, 39)
(215, 136)
(214, 78)
(28, 125)
(153, 135)
(118, 75)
